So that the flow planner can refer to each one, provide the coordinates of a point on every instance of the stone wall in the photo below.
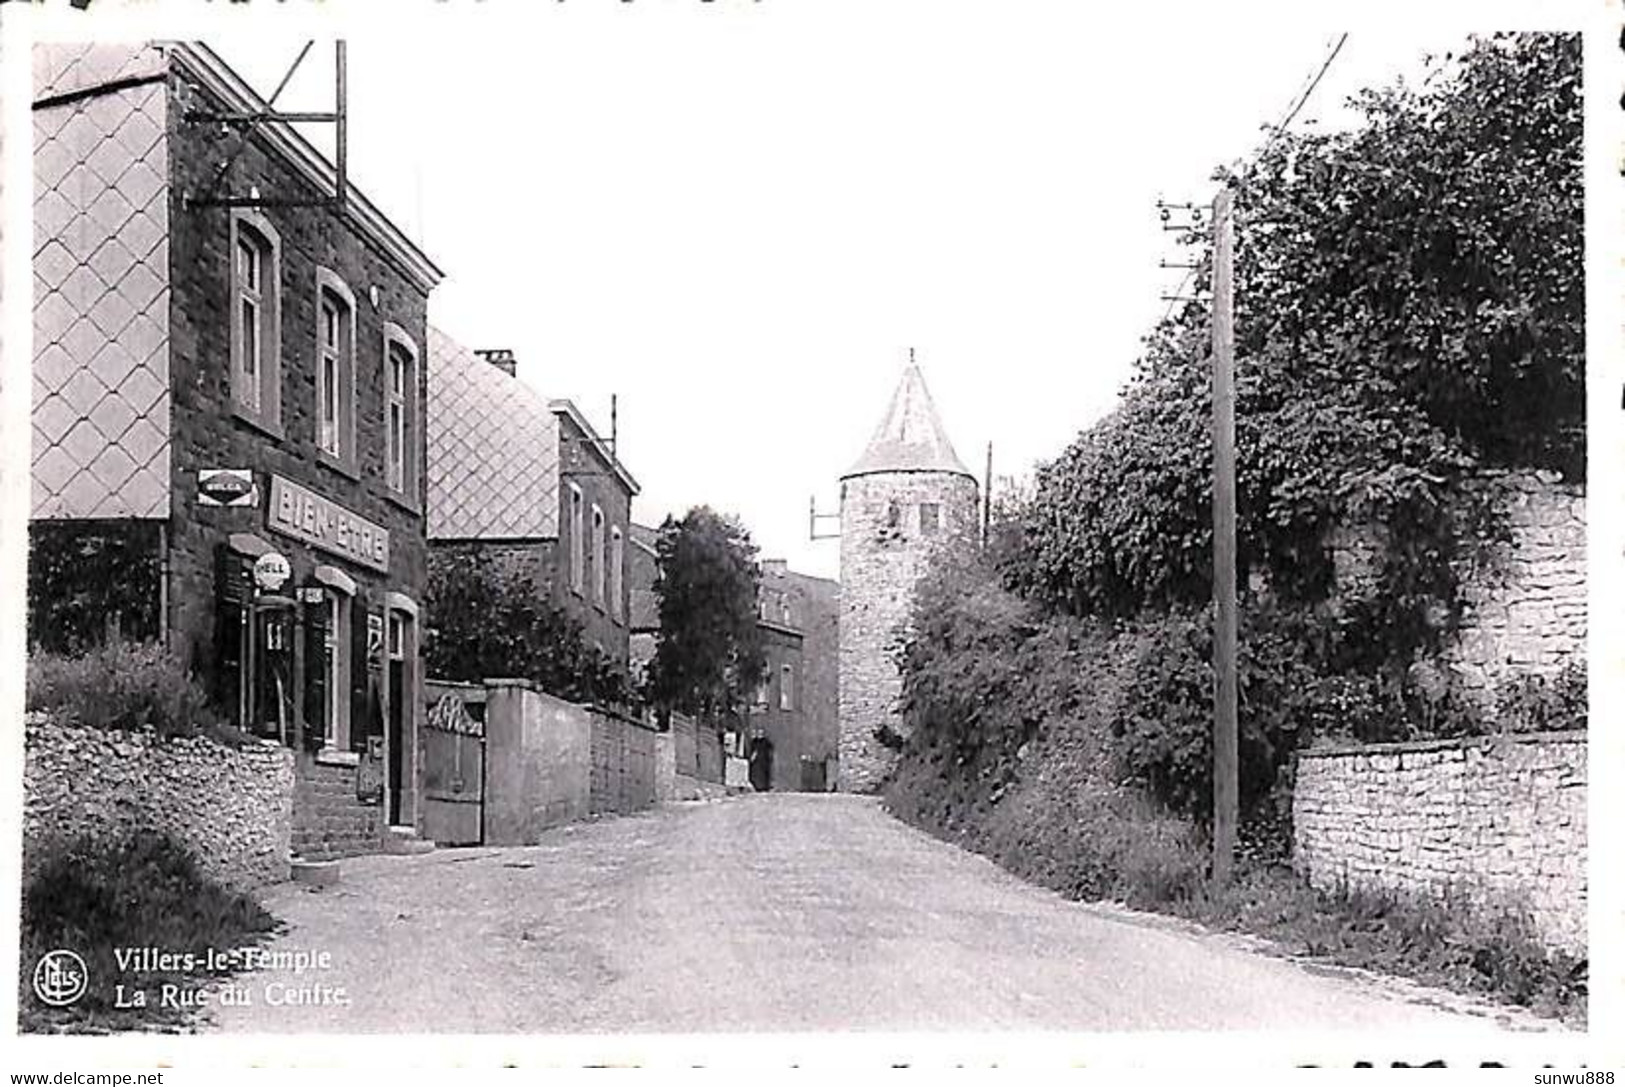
(207, 431)
(330, 820)
(1525, 613)
(1524, 606)
(549, 762)
(880, 564)
(707, 754)
(537, 760)
(232, 807)
(665, 768)
(623, 764)
(1494, 820)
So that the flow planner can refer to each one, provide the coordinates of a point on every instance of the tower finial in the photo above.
(911, 356)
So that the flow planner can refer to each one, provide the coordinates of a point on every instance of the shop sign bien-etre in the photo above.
(305, 515)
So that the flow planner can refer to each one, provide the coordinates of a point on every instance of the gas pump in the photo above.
(272, 669)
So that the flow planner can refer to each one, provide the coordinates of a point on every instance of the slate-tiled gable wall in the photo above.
(101, 419)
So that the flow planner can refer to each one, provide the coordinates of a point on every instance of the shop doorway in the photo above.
(761, 764)
(401, 700)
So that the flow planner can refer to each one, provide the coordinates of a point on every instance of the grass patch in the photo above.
(1458, 945)
(1094, 843)
(96, 898)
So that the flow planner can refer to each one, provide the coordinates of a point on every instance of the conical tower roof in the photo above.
(910, 437)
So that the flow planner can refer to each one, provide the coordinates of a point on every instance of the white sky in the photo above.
(739, 216)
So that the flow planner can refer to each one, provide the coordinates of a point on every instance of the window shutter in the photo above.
(363, 683)
(316, 666)
(232, 576)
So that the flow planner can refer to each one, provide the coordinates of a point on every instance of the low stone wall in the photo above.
(686, 754)
(665, 768)
(1497, 821)
(623, 763)
(537, 762)
(330, 820)
(232, 807)
(708, 754)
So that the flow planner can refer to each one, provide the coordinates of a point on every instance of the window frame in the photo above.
(578, 540)
(330, 287)
(617, 572)
(599, 530)
(263, 408)
(336, 724)
(402, 486)
(935, 526)
(787, 677)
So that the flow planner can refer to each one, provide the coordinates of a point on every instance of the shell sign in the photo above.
(305, 515)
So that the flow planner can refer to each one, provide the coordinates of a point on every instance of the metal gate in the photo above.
(454, 767)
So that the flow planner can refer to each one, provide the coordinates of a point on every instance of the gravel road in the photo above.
(773, 913)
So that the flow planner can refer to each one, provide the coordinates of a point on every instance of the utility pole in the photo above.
(1225, 773)
(987, 495)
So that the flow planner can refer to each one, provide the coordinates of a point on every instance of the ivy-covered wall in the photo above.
(91, 579)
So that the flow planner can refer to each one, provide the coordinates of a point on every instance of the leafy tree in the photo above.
(91, 582)
(1409, 319)
(485, 621)
(708, 653)
(1409, 313)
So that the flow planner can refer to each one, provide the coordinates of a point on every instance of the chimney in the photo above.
(500, 357)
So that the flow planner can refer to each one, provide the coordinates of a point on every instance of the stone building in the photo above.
(644, 606)
(526, 480)
(790, 731)
(906, 495)
(228, 408)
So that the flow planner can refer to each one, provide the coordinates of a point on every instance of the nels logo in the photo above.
(60, 978)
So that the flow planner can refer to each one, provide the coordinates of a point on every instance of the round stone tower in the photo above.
(906, 496)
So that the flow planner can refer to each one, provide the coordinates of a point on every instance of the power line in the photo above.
(1293, 112)
(1279, 128)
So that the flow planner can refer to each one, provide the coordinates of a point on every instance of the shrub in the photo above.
(485, 619)
(95, 897)
(1539, 703)
(124, 687)
(1462, 943)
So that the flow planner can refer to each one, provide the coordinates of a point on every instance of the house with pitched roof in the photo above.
(527, 481)
(227, 418)
(790, 730)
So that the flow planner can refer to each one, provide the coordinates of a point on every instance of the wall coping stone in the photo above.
(510, 681)
(616, 715)
(1573, 736)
